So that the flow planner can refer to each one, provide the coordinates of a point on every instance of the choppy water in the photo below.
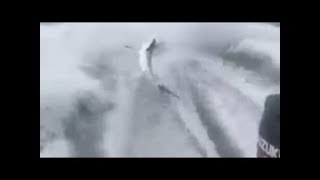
(94, 102)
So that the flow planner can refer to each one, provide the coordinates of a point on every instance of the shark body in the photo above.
(145, 61)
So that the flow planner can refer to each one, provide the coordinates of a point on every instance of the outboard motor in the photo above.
(269, 129)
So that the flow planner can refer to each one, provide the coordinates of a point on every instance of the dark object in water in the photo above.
(152, 45)
(164, 89)
(129, 47)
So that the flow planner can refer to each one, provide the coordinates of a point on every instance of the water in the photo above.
(96, 102)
